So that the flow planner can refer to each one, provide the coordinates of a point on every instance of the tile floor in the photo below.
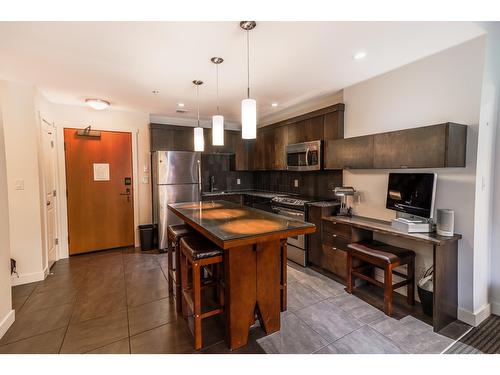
(118, 302)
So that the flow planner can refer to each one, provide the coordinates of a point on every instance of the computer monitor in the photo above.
(412, 193)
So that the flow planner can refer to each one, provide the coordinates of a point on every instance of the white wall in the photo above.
(440, 88)
(6, 312)
(490, 120)
(21, 149)
(137, 123)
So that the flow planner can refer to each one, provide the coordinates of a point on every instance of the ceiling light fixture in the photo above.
(97, 104)
(180, 105)
(359, 55)
(199, 141)
(218, 119)
(274, 105)
(248, 106)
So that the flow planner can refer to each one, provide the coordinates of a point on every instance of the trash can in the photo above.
(425, 289)
(146, 234)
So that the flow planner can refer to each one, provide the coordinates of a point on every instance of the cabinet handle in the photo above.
(334, 235)
(334, 248)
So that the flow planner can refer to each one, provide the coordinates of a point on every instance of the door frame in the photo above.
(61, 161)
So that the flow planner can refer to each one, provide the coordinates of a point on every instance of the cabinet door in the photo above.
(279, 148)
(313, 129)
(333, 125)
(259, 152)
(422, 147)
(296, 132)
(355, 153)
(314, 247)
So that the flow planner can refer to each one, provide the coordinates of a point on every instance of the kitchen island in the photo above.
(251, 240)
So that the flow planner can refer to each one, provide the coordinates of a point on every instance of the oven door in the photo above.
(297, 241)
(304, 156)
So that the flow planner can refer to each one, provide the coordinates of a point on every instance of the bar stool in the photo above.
(387, 257)
(197, 253)
(174, 234)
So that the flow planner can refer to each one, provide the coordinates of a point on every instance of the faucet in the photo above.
(212, 183)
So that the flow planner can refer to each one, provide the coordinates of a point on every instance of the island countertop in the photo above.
(228, 224)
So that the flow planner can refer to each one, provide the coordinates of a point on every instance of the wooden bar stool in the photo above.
(197, 252)
(174, 235)
(375, 254)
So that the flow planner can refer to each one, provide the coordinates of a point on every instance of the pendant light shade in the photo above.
(199, 139)
(248, 119)
(218, 119)
(218, 130)
(248, 105)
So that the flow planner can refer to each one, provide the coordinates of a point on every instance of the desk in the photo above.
(445, 257)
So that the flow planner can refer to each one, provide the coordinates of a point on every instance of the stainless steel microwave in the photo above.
(304, 156)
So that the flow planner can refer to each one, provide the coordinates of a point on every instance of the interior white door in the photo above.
(49, 172)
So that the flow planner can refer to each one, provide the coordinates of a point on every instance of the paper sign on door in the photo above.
(101, 171)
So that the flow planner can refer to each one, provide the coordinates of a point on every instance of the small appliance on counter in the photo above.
(343, 192)
(445, 222)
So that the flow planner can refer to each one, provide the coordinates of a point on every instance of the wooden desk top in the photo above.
(229, 225)
(384, 227)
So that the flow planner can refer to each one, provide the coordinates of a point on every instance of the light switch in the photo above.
(296, 183)
(19, 184)
(238, 181)
(146, 169)
(145, 179)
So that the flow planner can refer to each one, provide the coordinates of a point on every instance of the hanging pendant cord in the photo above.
(248, 64)
(198, 101)
(217, 70)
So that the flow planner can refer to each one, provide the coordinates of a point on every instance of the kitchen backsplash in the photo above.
(219, 166)
(314, 184)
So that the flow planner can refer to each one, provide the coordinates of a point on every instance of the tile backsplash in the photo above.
(219, 166)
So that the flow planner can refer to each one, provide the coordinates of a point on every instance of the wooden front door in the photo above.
(99, 191)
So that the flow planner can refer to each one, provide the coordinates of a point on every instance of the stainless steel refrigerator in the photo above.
(177, 178)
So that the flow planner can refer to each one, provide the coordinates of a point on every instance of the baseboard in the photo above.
(495, 308)
(7, 322)
(474, 318)
(27, 278)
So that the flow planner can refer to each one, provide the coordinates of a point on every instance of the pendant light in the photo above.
(248, 106)
(199, 141)
(218, 119)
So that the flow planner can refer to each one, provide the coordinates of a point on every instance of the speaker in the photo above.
(445, 222)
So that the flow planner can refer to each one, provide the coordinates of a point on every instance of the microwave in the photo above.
(304, 156)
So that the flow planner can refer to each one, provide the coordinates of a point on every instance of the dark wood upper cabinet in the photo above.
(333, 125)
(280, 136)
(355, 153)
(435, 146)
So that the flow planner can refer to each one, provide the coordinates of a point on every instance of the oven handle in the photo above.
(287, 212)
(307, 157)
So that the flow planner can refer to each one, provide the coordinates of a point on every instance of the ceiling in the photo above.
(290, 62)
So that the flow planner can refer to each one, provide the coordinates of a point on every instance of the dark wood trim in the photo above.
(305, 116)
(445, 284)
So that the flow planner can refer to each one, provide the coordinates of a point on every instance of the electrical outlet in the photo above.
(145, 179)
(146, 169)
(238, 181)
(296, 183)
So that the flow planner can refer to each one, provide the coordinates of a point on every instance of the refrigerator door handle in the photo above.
(199, 176)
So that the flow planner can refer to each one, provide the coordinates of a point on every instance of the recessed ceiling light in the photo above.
(359, 55)
(97, 103)
(155, 92)
(274, 104)
(180, 105)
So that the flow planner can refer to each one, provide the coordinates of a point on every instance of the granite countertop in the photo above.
(226, 221)
(256, 193)
(331, 203)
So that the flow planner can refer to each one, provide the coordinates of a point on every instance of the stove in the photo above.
(295, 208)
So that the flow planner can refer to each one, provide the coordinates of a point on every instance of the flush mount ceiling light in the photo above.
(248, 106)
(199, 141)
(97, 103)
(274, 105)
(180, 105)
(359, 55)
(218, 119)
